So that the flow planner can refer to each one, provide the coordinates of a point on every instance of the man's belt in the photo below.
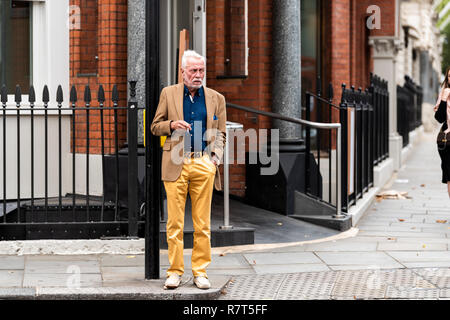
(197, 154)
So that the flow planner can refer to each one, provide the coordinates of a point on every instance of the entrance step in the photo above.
(340, 224)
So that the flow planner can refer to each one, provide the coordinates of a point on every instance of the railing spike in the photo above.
(101, 94)
(59, 95)
(45, 95)
(4, 94)
(87, 94)
(18, 95)
(115, 94)
(73, 94)
(32, 95)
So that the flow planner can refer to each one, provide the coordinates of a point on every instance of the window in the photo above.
(88, 38)
(15, 40)
(236, 38)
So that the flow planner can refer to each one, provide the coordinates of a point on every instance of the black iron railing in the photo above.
(73, 210)
(336, 204)
(409, 108)
(321, 142)
(364, 116)
(357, 119)
(380, 125)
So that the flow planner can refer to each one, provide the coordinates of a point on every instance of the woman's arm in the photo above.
(441, 113)
(438, 100)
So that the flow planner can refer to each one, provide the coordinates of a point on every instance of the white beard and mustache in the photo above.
(197, 86)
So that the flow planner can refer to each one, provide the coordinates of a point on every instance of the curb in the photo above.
(143, 290)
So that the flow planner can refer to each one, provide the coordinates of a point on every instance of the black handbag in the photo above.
(443, 140)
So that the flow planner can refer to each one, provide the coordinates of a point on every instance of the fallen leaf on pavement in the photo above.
(401, 220)
(393, 194)
(422, 185)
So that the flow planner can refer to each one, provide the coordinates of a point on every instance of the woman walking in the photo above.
(442, 115)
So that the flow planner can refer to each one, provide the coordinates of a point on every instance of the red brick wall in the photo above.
(106, 38)
(350, 56)
(387, 12)
(255, 90)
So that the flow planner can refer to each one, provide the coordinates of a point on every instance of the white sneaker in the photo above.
(202, 282)
(173, 281)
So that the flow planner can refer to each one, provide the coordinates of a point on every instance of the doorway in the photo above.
(176, 15)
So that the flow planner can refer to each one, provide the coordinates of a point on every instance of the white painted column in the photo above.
(384, 53)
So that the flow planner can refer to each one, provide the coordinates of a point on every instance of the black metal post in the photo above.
(46, 99)
(59, 99)
(18, 99)
(318, 135)
(308, 144)
(152, 154)
(4, 98)
(132, 162)
(87, 101)
(330, 144)
(101, 99)
(343, 116)
(73, 100)
(32, 100)
(115, 99)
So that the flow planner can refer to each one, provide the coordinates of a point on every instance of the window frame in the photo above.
(228, 73)
(50, 52)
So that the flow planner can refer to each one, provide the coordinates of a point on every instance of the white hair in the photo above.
(191, 54)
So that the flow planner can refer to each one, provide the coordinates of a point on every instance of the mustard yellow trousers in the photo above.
(197, 178)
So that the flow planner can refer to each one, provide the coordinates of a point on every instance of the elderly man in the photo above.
(193, 118)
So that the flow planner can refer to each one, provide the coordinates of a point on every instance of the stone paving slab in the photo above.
(304, 267)
(380, 259)
(399, 234)
(11, 262)
(339, 246)
(281, 258)
(61, 280)
(390, 228)
(48, 266)
(411, 246)
(11, 278)
(122, 273)
(121, 260)
(420, 256)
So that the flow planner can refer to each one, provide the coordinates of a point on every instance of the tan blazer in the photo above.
(170, 107)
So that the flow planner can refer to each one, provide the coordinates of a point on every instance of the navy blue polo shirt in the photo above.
(194, 112)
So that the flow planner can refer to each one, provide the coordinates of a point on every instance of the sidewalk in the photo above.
(399, 250)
